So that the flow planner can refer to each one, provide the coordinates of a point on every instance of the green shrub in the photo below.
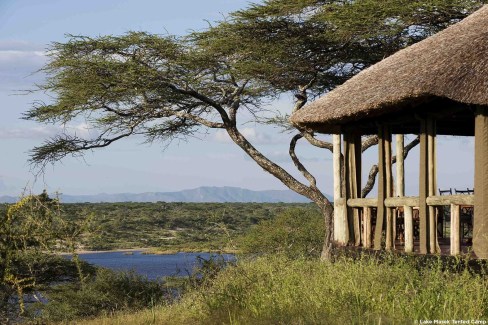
(107, 292)
(294, 233)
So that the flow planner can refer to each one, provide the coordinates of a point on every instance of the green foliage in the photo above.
(106, 292)
(293, 233)
(170, 226)
(29, 229)
(278, 290)
(288, 43)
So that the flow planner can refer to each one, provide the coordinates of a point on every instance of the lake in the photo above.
(152, 266)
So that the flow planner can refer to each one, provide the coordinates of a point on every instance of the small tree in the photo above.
(30, 228)
(165, 87)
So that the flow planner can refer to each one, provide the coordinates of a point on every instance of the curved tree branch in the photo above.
(369, 142)
(374, 169)
(298, 164)
(316, 142)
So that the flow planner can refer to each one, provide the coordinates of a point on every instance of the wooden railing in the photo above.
(408, 203)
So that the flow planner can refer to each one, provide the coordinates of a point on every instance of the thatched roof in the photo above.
(451, 65)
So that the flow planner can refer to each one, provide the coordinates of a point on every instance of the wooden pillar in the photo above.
(400, 178)
(352, 173)
(347, 181)
(381, 209)
(400, 166)
(455, 230)
(340, 233)
(357, 187)
(431, 184)
(423, 189)
(408, 217)
(390, 224)
(480, 222)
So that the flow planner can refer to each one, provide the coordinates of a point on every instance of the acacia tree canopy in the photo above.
(166, 87)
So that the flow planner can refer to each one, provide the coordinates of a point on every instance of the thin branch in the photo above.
(316, 142)
(61, 146)
(198, 119)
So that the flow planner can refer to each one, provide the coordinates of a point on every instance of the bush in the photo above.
(106, 293)
(293, 233)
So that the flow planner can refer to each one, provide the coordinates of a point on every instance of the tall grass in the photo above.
(278, 290)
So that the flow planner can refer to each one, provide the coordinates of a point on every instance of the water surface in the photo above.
(152, 266)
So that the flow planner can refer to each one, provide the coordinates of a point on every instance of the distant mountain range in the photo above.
(200, 194)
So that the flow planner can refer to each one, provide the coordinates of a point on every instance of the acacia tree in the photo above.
(167, 87)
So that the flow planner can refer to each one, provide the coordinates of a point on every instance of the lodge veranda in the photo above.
(438, 86)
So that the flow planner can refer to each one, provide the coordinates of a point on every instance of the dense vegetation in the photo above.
(274, 289)
(171, 226)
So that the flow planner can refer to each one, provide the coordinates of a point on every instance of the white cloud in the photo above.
(29, 133)
(82, 130)
(254, 136)
(21, 57)
(18, 63)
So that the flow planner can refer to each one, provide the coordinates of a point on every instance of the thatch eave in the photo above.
(449, 69)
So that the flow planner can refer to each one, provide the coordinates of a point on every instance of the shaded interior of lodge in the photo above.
(438, 86)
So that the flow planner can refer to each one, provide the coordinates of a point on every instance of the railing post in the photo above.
(367, 227)
(455, 230)
(408, 219)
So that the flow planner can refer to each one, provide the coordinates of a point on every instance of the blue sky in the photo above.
(28, 26)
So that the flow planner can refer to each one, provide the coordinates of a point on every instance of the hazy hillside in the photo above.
(201, 194)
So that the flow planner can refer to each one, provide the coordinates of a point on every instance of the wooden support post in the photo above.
(389, 239)
(340, 233)
(352, 171)
(431, 185)
(455, 230)
(408, 217)
(356, 193)
(423, 190)
(380, 212)
(400, 177)
(347, 146)
(480, 222)
(400, 166)
(367, 227)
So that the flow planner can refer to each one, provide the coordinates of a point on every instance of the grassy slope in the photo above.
(274, 290)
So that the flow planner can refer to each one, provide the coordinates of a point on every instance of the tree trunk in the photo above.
(328, 213)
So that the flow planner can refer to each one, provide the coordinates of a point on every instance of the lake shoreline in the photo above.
(121, 250)
(153, 251)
